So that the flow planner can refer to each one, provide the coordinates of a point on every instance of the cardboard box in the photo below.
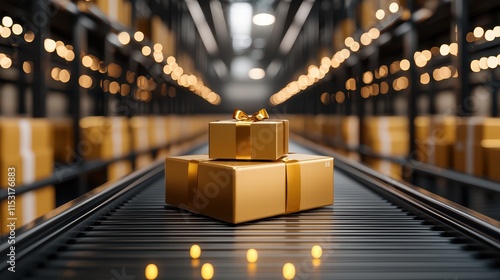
(350, 131)
(492, 163)
(440, 154)
(158, 131)
(491, 150)
(440, 135)
(28, 207)
(105, 137)
(63, 140)
(119, 169)
(386, 167)
(116, 10)
(246, 140)
(390, 147)
(141, 142)
(314, 127)
(174, 130)
(367, 13)
(468, 154)
(28, 167)
(443, 129)
(18, 134)
(422, 127)
(378, 128)
(240, 191)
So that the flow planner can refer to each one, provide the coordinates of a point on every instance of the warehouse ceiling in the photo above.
(248, 42)
(247, 34)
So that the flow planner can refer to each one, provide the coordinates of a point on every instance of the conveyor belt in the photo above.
(363, 236)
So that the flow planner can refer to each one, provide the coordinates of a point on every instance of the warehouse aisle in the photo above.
(362, 236)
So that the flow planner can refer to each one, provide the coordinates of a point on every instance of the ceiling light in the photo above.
(263, 19)
(256, 73)
(240, 17)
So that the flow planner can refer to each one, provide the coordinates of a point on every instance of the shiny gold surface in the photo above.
(240, 191)
(263, 140)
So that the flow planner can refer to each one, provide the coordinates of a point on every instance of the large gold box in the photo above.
(261, 140)
(240, 191)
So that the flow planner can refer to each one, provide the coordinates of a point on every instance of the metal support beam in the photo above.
(40, 64)
(460, 10)
(410, 47)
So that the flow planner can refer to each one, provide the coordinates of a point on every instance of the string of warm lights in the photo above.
(145, 86)
(7, 29)
(317, 73)
(371, 88)
(172, 69)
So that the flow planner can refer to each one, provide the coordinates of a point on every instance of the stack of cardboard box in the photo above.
(386, 136)
(158, 135)
(475, 146)
(107, 138)
(141, 142)
(116, 10)
(343, 132)
(25, 157)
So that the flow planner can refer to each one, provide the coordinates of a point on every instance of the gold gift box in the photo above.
(240, 191)
(261, 140)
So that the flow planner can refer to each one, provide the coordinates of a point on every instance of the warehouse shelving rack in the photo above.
(418, 25)
(86, 31)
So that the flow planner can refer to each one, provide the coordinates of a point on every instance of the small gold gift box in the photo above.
(248, 137)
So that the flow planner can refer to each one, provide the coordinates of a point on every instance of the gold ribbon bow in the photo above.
(243, 131)
(260, 115)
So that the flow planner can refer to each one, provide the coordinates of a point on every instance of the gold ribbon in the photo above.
(293, 185)
(260, 115)
(243, 131)
(192, 183)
